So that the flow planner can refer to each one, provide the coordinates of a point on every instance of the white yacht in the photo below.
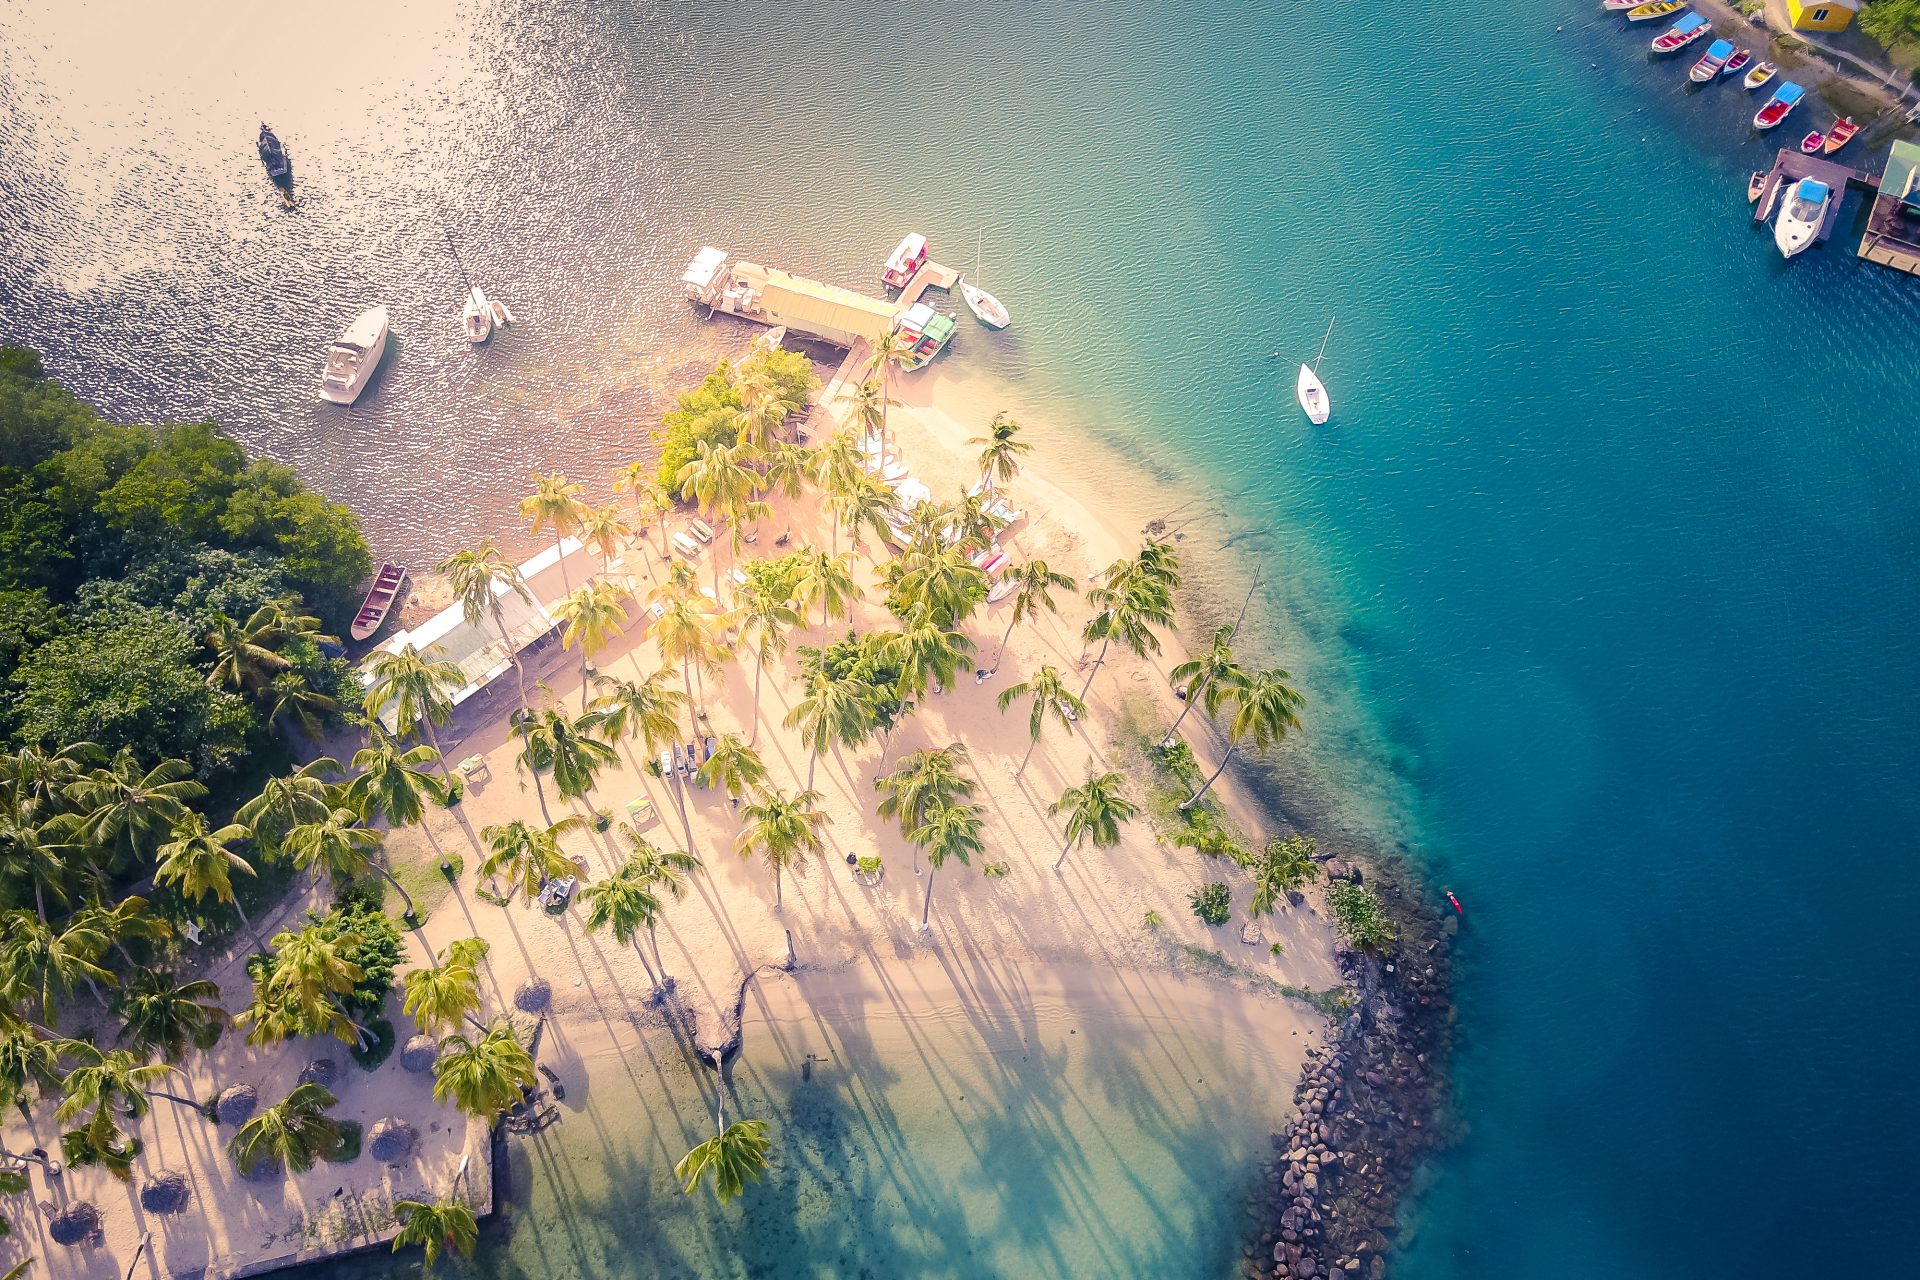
(1801, 214)
(352, 359)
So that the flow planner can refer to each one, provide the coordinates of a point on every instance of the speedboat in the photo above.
(1759, 76)
(476, 317)
(1312, 394)
(1784, 99)
(278, 164)
(905, 261)
(352, 359)
(1681, 34)
(1840, 135)
(1711, 61)
(1800, 215)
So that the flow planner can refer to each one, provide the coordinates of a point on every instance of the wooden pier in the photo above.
(931, 275)
(1789, 167)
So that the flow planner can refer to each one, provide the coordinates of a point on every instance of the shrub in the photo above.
(380, 1042)
(1213, 903)
(1358, 915)
(349, 1148)
(1204, 834)
(1153, 920)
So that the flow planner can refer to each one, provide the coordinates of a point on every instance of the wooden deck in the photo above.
(1790, 166)
(933, 275)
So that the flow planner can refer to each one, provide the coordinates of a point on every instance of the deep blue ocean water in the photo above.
(1601, 577)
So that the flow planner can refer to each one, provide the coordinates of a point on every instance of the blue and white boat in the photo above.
(1681, 34)
(1711, 61)
(1784, 99)
(1801, 214)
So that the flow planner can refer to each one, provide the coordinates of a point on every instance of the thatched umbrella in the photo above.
(166, 1193)
(78, 1223)
(533, 996)
(419, 1053)
(390, 1141)
(320, 1071)
(235, 1105)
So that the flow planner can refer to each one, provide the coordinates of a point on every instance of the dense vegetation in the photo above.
(1892, 22)
(711, 413)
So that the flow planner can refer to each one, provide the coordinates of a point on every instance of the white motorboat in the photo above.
(352, 360)
(1313, 396)
(1312, 392)
(476, 317)
(1801, 214)
(986, 308)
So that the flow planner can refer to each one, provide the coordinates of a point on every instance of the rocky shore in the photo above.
(1370, 1107)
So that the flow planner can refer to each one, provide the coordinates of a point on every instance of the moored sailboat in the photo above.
(1310, 391)
(986, 308)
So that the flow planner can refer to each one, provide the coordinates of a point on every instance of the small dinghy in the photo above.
(1812, 142)
(1620, 6)
(1755, 185)
(501, 316)
(379, 601)
(1310, 391)
(1759, 75)
(274, 158)
(1658, 9)
(1737, 63)
(1840, 135)
(476, 317)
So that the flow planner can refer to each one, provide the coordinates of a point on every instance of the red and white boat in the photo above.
(1737, 63)
(1682, 33)
(1784, 100)
(1811, 143)
(1840, 135)
(907, 258)
(379, 602)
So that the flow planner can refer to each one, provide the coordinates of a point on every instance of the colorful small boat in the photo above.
(1840, 135)
(906, 259)
(1681, 34)
(1711, 61)
(1759, 76)
(1618, 6)
(1737, 63)
(1657, 9)
(1755, 185)
(1784, 100)
(1812, 142)
(379, 601)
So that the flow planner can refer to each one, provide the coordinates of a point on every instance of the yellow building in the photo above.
(1821, 15)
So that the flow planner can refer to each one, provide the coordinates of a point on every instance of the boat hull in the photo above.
(1312, 394)
(366, 344)
(476, 318)
(387, 585)
(986, 308)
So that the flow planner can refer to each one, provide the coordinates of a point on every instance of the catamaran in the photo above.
(1311, 392)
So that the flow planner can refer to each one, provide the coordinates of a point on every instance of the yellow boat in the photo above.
(1658, 9)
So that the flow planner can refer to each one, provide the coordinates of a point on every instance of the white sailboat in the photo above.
(1312, 392)
(476, 317)
(986, 308)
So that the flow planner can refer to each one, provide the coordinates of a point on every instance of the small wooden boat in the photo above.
(1737, 63)
(1812, 142)
(501, 316)
(1657, 9)
(274, 157)
(1784, 100)
(1619, 6)
(1755, 185)
(1711, 61)
(1681, 34)
(379, 602)
(1840, 135)
(1759, 76)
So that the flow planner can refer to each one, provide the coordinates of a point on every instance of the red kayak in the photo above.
(1456, 903)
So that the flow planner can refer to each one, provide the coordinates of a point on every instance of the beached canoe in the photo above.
(1759, 76)
(379, 602)
(1657, 9)
(1840, 135)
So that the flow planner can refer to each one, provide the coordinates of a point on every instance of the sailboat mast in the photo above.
(1323, 346)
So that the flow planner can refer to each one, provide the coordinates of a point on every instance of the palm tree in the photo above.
(127, 810)
(927, 653)
(444, 1224)
(201, 861)
(764, 406)
(294, 1133)
(418, 688)
(1095, 809)
(888, 353)
(944, 579)
(734, 1156)
(626, 902)
(1265, 708)
(159, 1016)
(105, 1085)
(832, 712)
(338, 847)
(299, 992)
(528, 856)
(1049, 696)
(394, 783)
(481, 579)
(688, 633)
(1000, 458)
(40, 852)
(127, 920)
(764, 622)
(286, 802)
(1128, 616)
(594, 618)
(29, 1061)
(734, 767)
(918, 782)
(645, 710)
(1283, 866)
(292, 701)
(948, 829)
(788, 469)
(839, 469)
(782, 828)
(566, 745)
(1033, 587)
(438, 996)
(605, 530)
(827, 580)
(864, 506)
(870, 405)
(651, 501)
(245, 654)
(1208, 678)
(483, 1077)
(722, 483)
(40, 963)
(555, 505)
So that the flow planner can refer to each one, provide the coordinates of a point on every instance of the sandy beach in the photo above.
(1077, 939)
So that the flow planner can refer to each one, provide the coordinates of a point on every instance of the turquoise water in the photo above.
(1600, 579)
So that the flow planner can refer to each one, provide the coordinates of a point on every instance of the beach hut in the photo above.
(1821, 15)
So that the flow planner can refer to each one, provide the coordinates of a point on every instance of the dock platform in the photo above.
(932, 275)
(1790, 166)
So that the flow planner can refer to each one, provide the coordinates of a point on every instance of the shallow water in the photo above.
(1600, 579)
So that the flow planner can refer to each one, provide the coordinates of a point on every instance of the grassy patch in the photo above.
(1207, 958)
